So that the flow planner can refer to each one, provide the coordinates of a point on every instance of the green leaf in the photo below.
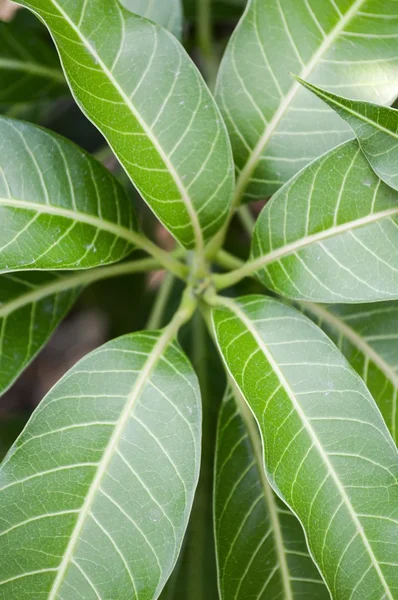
(139, 87)
(367, 336)
(330, 234)
(29, 67)
(261, 546)
(327, 451)
(31, 306)
(276, 126)
(167, 13)
(59, 208)
(376, 128)
(95, 495)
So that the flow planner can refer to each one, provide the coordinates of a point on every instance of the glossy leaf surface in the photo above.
(276, 126)
(31, 306)
(139, 87)
(367, 335)
(95, 494)
(261, 546)
(327, 450)
(59, 208)
(330, 234)
(376, 128)
(29, 67)
(167, 13)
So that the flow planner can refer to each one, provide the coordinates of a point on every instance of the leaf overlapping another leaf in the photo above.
(59, 208)
(276, 127)
(262, 551)
(29, 68)
(327, 450)
(139, 87)
(95, 495)
(330, 234)
(367, 335)
(167, 13)
(376, 128)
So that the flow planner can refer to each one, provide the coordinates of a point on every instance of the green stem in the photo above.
(228, 261)
(165, 259)
(205, 41)
(156, 317)
(247, 219)
(81, 278)
(225, 280)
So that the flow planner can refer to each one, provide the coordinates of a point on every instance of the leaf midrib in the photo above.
(333, 100)
(309, 240)
(79, 217)
(139, 385)
(252, 162)
(254, 436)
(170, 167)
(32, 68)
(317, 444)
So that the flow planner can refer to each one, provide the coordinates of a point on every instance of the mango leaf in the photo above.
(96, 493)
(330, 234)
(367, 336)
(327, 450)
(29, 67)
(276, 126)
(167, 13)
(136, 83)
(31, 306)
(59, 208)
(376, 128)
(261, 547)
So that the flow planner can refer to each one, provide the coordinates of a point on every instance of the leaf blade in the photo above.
(309, 441)
(27, 63)
(376, 128)
(270, 555)
(366, 336)
(154, 382)
(190, 198)
(54, 215)
(31, 307)
(168, 14)
(335, 247)
(281, 129)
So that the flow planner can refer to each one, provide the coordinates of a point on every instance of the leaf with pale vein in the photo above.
(31, 307)
(376, 128)
(95, 495)
(59, 208)
(29, 67)
(327, 450)
(261, 548)
(276, 126)
(167, 13)
(367, 335)
(331, 233)
(136, 83)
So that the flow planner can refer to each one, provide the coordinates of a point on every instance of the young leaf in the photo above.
(367, 336)
(29, 67)
(276, 127)
(167, 13)
(31, 306)
(330, 234)
(260, 544)
(96, 493)
(327, 451)
(139, 87)
(59, 208)
(376, 128)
